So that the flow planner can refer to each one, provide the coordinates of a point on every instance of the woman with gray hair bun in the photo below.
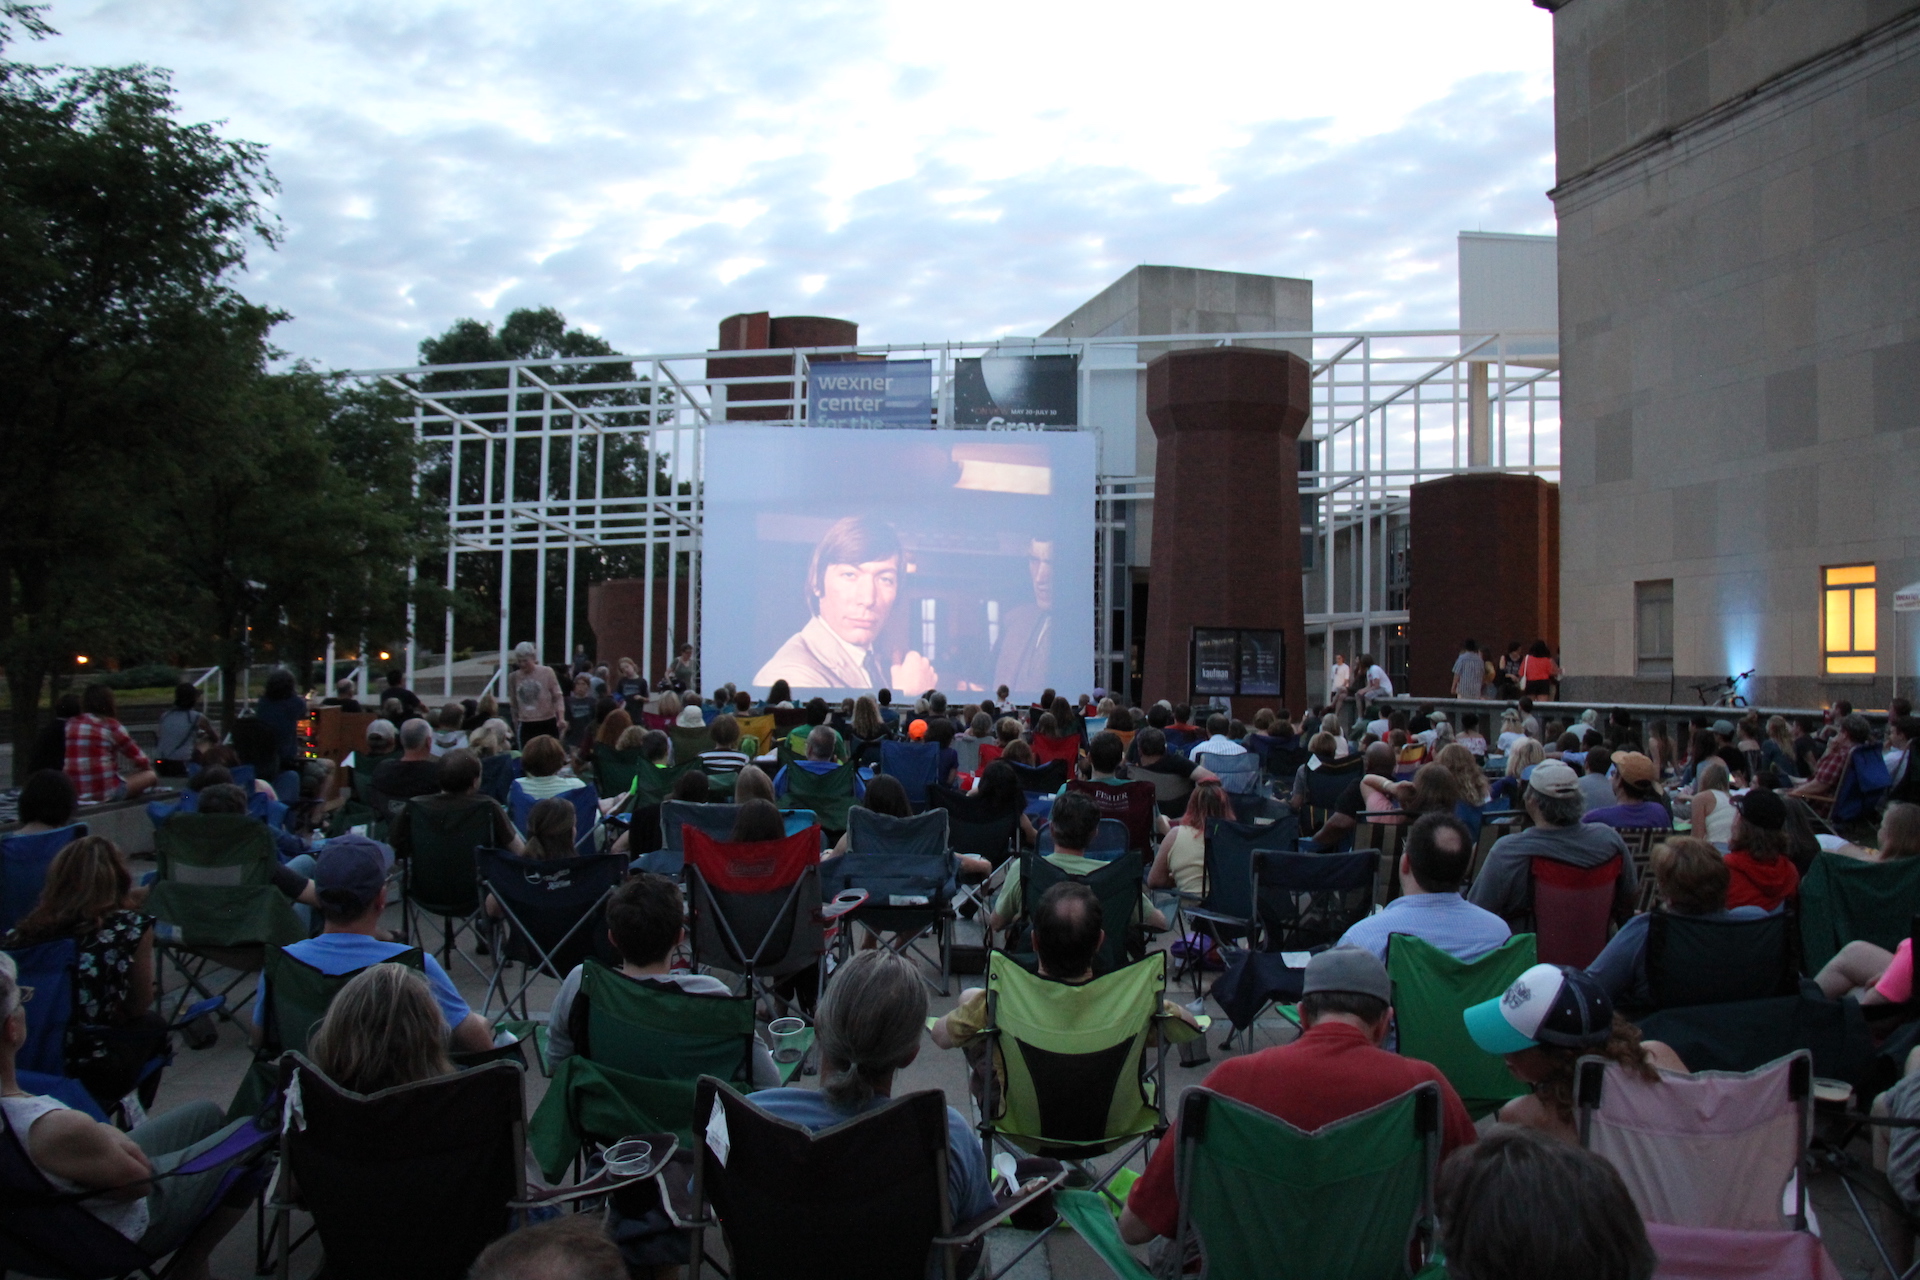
(868, 1026)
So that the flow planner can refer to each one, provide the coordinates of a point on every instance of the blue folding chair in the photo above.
(1238, 774)
(915, 764)
(23, 869)
(910, 876)
(1863, 785)
(586, 812)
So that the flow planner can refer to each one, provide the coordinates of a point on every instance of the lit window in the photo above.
(1849, 601)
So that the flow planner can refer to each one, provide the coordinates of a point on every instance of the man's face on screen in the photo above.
(855, 599)
(1040, 569)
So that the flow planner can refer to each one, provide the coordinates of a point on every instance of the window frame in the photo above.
(1647, 593)
(1852, 658)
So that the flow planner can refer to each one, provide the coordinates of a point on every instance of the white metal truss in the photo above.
(1390, 409)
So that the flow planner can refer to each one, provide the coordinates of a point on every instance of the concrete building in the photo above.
(1157, 301)
(1738, 197)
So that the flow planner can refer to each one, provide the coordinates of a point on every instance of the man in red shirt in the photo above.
(1335, 1069)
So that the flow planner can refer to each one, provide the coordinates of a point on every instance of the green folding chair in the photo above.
(613, 770)
(368, 807)
(640, 1049)
(689, 743)
(214, 892)
(829, 795)
(652, 784)
(438, 875)
(298, 996)
(1431, 992)
(1843, 898)
(1263, 1200)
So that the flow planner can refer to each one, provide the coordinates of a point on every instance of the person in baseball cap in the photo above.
(348, 874)
(1549, 1018)
(1335, 1069)
(1759, 851)
(1636, 794)
(1557, 806)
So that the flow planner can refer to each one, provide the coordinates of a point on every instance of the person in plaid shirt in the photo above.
(95, 742)
(1819, 789)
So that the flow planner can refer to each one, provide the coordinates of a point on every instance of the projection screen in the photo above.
(842, 561)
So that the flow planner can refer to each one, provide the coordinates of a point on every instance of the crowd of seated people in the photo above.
(1724, 800)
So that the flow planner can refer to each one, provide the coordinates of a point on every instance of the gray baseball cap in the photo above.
(1349, 969)
(1554, 778)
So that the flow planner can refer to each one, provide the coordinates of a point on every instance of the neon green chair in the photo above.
(1431, 990)
(1263, 1200)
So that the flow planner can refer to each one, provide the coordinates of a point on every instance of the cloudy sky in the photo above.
(931, 171)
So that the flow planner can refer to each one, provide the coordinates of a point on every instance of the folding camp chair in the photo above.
(754, 909)
(1640, 842)
(640, 1047)
(411, 1183)
(653, 784)
(1263, 1200)
(555, 912)
(1742, 1035)
(214, 890)
(1133, 804)
(760, 728)
(829, 795)
(1064, 752)
(1240, 774)
(1117, 885)
(1572, 909)
(689, 743)
(437, 871)
(1844, 898)
(614, 770)
(1713, 1149)
(497, 774)
(586, 813)
(915, 764)
(298, 996)
(54, 1026)
(715, 819)
(974, 831)
(910, 876)
(1305, 902)
(1170, 790)
(1076, 1070)
(967, 751)
(23, 869)
(1432, 990)
(1861, 791)
(1227, 908)
(45, 1231)
(1040, 779)
(1693, 961)
(865, 1199)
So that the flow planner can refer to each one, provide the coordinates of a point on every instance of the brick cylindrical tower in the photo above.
(1226, 509)
(756, 331)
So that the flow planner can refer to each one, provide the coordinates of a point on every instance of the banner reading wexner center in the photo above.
(870, 393)
(842, 561)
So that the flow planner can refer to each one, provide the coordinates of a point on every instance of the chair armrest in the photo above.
(1038, 1177)
(664, 1147)
(844, 901)
(198, 1009)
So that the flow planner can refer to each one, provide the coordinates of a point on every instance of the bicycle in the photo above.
(1724, 693)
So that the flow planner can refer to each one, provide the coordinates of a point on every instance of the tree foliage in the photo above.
(154, 464)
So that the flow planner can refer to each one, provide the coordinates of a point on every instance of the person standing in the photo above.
(539, 706)
(1469, 672)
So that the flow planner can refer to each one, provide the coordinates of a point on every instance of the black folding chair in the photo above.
(555, 913)
(437, 871)
(865, 1199)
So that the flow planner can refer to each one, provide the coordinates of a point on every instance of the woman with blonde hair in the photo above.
(867, 723)
(1525, 754)
(1457, 759)
(1712, 815)
(384, 1029)
(89, 896)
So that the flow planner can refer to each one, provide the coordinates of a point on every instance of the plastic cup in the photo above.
(629, 1158)
(787, 1035)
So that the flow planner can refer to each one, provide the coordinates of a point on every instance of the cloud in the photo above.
(651, 168)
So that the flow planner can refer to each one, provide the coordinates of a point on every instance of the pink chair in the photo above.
(1572, 909)
(1703, 1253)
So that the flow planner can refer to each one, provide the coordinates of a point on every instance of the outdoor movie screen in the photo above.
(847, 560)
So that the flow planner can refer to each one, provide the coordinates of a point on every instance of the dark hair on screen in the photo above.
(853, 540)
(1438, 869)
(644, 916)
(1067, 924)
(1075, 819)
(1517, 1205)
(757, 820)
(886, 795)
(48, 797)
